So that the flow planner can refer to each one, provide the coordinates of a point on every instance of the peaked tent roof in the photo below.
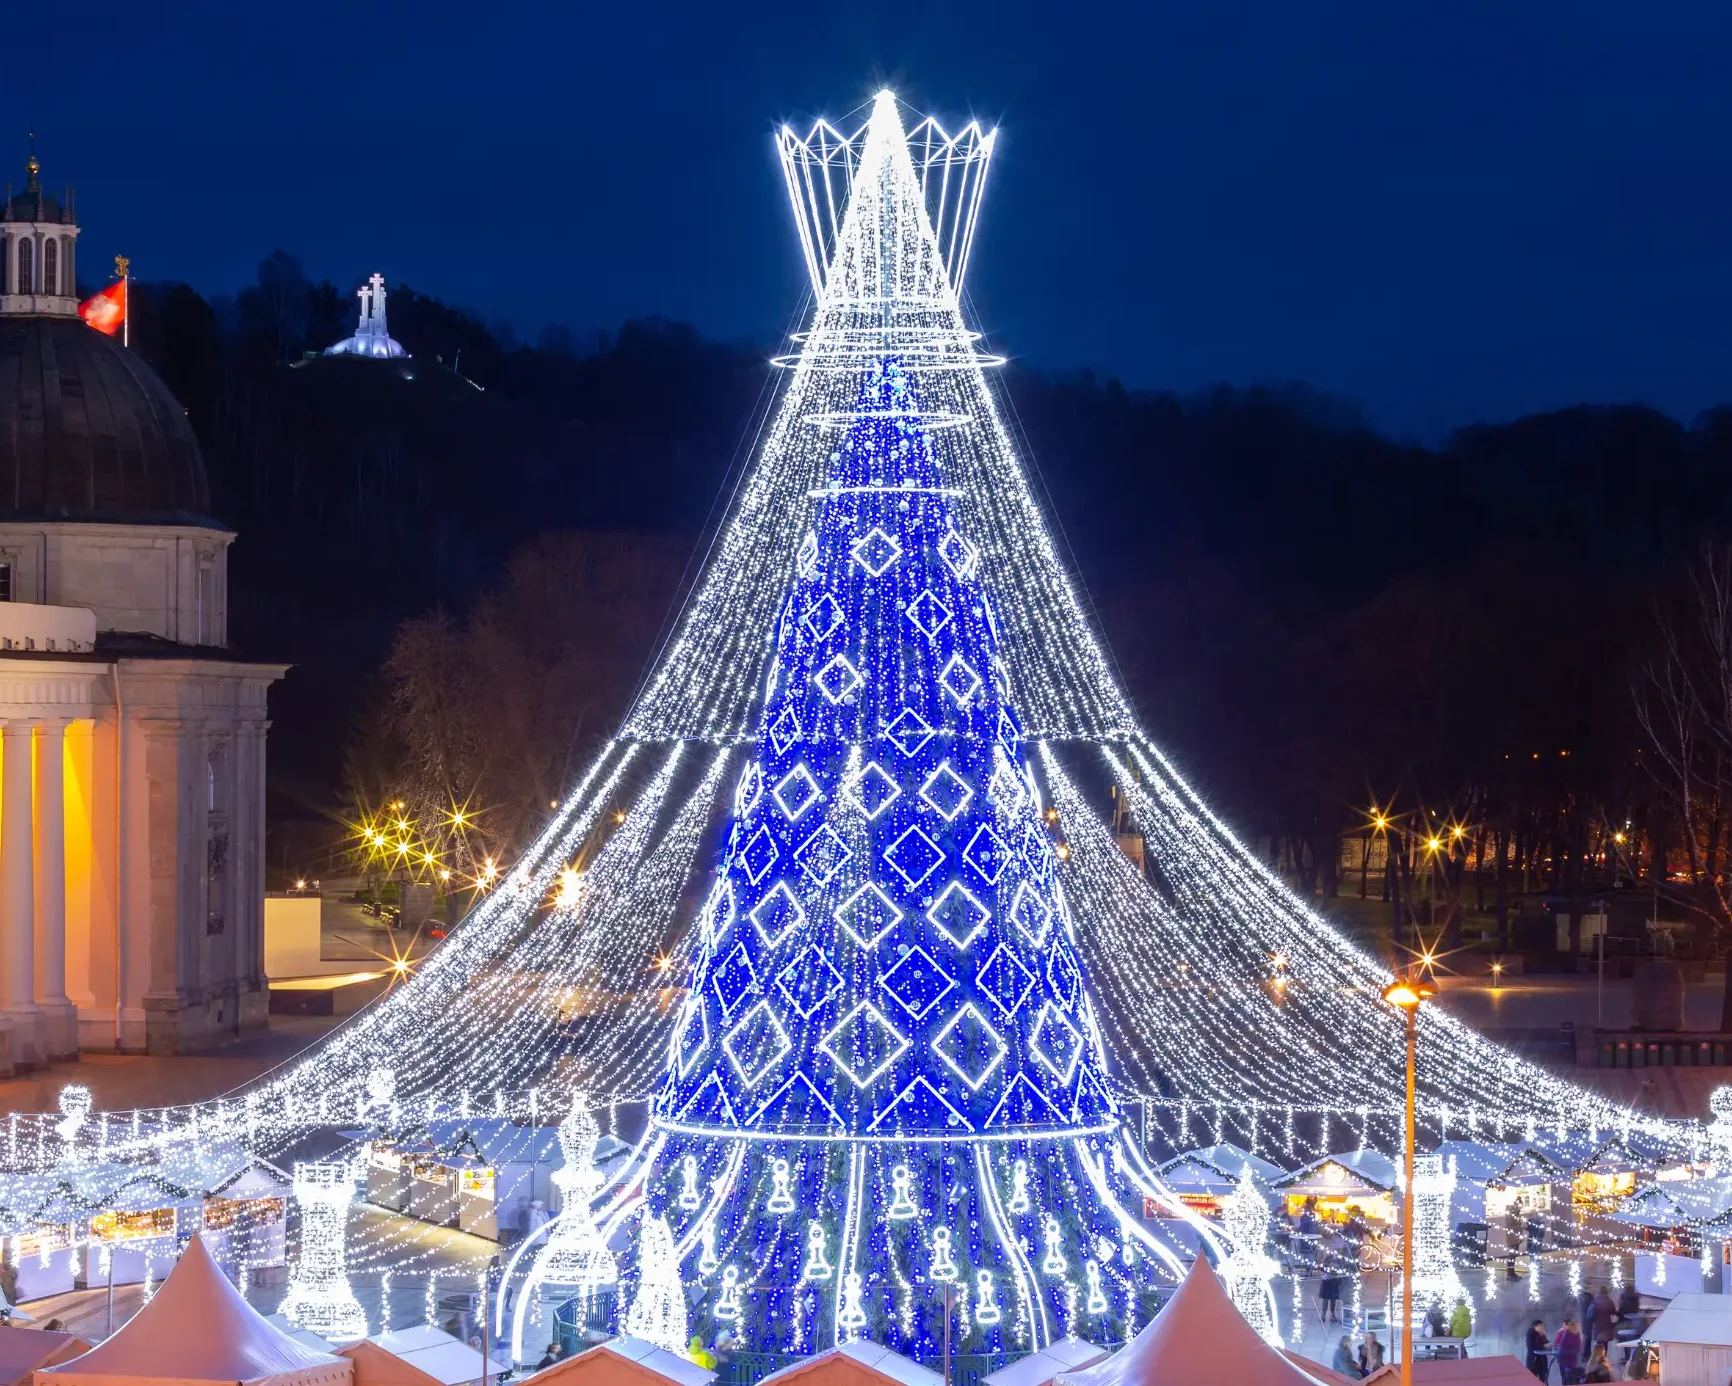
(1198, 1337)
(198, 1328)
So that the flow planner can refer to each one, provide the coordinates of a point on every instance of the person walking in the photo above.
(1605, 1316)
(1568, 1348)
(1538, 1363)
(1586, 1305)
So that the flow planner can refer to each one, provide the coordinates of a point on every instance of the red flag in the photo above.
(106, 311)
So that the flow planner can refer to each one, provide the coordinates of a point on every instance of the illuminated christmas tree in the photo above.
(887, 1082)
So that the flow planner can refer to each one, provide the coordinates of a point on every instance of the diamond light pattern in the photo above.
(959, 555)
(757, 1043)
(837, 679)
(929, 614)
(868, 915)
(822, 617)
(759, 856)
(959, 680)
(872, 790)
(750, 790)
(864, 1044)
(969, 1046)
(914, 856)
(796, 792)
(823, 854)
(785, 731)
(909, 732)
(876, 551)
(1030, 914)
(809, 981)
(946, 792)
(1056, 1043)
(917, 982)
(733, 979)
(1005, 979)
(958, 915)
(987, 854)
(777, 915)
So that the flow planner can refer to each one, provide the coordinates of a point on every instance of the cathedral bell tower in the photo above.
(37, 239)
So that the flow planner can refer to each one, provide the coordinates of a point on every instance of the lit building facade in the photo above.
(132, 742)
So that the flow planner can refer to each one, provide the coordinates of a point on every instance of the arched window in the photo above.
(26, 266)
(50, 266)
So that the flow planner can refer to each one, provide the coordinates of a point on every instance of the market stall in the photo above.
(246, 1218)
(1500, 1190)
(1203, 1177)
(481, 1175)
(1338, 1188)
(433, 1188)
(45, 1259)
(136, 1235)
(388, 1176)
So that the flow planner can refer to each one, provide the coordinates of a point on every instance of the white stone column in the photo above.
(18, 896)
(60, 1016)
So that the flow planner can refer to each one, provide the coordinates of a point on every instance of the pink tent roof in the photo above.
(198, 1329)
(1197, 1339)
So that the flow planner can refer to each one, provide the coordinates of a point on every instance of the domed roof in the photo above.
(89, 432)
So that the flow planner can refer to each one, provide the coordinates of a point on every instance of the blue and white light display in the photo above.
(887, 1070)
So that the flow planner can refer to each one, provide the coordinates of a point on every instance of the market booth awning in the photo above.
(197, 1330)
(1694, 1335)
(1040, 1368)
(856, 1364)
(23, 1350)
(1198, 1339)
(624, 1362)
(423, 1356)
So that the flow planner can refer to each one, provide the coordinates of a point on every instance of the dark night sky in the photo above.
(1449, 212)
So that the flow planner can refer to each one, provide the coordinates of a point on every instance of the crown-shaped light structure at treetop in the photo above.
(823, 1030)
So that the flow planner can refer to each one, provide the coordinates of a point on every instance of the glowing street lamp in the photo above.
(1407, 994)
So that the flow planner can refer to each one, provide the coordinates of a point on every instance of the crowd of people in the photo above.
(1580, 1346)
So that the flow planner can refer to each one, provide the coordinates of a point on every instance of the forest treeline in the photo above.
(1312, 617)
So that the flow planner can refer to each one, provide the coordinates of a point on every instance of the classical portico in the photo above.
(132, 739)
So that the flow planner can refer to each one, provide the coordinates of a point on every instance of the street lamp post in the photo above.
(1406, 994)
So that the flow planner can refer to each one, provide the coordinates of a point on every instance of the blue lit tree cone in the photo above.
(887, 1088)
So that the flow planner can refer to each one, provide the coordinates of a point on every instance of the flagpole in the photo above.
(123, 272)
